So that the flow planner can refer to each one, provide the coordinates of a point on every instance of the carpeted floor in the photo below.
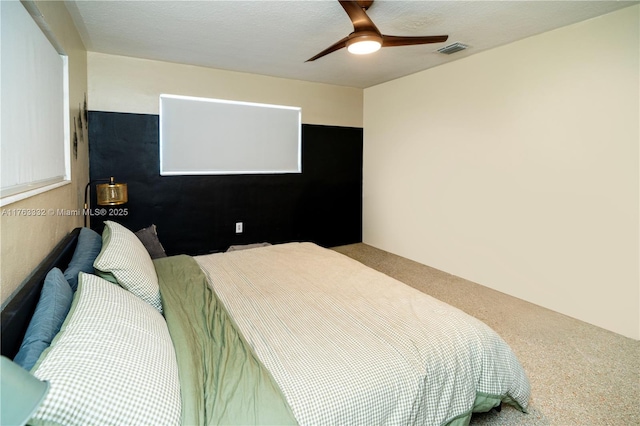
(580, 374)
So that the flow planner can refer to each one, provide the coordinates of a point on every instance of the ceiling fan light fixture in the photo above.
(366, 37)
(364, 43)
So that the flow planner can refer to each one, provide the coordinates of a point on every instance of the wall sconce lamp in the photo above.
(21, 393)
(107, 194)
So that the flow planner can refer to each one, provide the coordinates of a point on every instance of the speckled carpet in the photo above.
(580, 374)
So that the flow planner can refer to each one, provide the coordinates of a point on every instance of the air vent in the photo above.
(452, 48)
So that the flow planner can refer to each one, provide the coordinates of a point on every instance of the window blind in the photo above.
(34, 106)
(201, 136)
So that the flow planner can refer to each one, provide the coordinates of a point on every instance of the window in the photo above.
(200, 136)
(35, 149)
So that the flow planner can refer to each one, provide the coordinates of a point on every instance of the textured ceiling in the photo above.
(276, 37)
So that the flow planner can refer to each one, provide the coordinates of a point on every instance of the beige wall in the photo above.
(518, 168)
(25, 241)
(124, 84)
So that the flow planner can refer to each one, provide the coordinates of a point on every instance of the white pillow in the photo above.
(126, 258)
(113, 362)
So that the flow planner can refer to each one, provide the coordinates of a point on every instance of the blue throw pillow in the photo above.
(87, 249)
(52, 309)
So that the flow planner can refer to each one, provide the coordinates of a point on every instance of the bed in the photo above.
(284, 334)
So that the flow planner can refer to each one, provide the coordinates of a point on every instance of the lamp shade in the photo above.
(111, 194)
(20, 393)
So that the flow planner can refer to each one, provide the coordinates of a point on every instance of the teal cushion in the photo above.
(87, 249)
(52, 308)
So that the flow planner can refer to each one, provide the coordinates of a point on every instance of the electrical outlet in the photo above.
(238, 227)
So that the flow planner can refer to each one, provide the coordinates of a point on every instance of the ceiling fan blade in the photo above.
(358, 16)
(336, 46)
(391, 41)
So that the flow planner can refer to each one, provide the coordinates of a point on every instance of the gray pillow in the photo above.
(149, 238)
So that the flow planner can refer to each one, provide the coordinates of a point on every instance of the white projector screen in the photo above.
(200, 136)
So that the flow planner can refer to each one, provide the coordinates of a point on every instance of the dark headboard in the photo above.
(18, 312)
(197, 214)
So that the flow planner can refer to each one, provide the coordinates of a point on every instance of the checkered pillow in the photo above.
(124, 257)
(113, 362)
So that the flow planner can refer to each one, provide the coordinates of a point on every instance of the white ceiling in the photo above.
(276, 37)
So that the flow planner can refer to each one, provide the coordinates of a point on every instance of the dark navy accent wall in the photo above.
(197, 214)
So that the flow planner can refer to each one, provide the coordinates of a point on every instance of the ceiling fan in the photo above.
(366, 37)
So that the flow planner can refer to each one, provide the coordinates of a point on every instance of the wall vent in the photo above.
(452, 48)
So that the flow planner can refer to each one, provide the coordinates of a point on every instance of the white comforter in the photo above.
(349, 345)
